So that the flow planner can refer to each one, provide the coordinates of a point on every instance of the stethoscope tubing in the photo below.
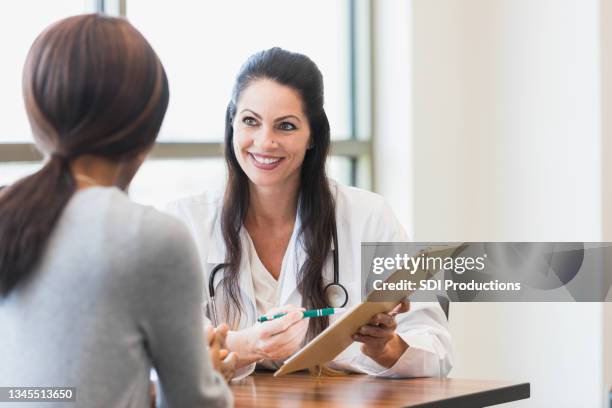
(335, 283)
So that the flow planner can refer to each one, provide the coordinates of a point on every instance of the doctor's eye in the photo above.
(287, 126)
(249, 121)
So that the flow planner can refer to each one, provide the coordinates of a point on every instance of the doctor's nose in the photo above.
(265, 138)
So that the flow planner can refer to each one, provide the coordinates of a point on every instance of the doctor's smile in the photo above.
(265, 162)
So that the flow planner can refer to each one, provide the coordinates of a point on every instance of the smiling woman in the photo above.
(283, 233)
(271, 132)
(276, 111)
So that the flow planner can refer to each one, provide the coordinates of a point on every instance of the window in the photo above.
(23, 21)
(202, 47)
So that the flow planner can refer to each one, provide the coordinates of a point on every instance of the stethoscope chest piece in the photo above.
(336, 294)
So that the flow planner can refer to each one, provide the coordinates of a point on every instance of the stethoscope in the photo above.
(335, 292)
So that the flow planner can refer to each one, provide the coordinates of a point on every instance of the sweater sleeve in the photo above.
(171, 318)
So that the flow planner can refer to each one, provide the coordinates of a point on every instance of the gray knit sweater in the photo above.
(118, 291)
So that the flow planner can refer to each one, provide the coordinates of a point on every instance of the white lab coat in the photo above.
(361, 216)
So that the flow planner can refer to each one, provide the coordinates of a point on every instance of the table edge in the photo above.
(485, 398)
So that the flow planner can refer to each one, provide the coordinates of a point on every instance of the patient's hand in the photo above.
(222, 360)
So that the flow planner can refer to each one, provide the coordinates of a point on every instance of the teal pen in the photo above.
(328, 311)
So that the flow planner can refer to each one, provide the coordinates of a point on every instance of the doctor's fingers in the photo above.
(402, 307)
(277, 347)
(370, 345)
(281, 324)
(283, 309)
(296, 332)
(378, 332)
(285, 344)
(384, 320)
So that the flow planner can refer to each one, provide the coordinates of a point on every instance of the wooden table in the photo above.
(303, 390)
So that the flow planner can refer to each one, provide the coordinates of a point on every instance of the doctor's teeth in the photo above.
(266, 160)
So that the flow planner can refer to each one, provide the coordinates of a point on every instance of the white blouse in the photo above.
(267, 292)
(266, 287)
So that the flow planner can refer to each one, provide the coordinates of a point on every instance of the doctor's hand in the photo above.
(275, 339)
(222, 360)
(380, 342)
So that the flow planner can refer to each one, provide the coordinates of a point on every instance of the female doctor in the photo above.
(271, 240)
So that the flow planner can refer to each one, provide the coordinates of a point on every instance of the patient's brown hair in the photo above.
(92, 85)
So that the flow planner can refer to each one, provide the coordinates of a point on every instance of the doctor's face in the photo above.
(271, 133)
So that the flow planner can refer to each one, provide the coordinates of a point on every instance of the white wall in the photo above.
(506, 119)
(554, 346)
(503, 128)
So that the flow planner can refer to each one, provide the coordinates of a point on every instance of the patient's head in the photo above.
(94, 91)
(94, 86)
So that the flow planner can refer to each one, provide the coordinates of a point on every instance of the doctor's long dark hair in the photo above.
(316, 203)
(92, 85)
